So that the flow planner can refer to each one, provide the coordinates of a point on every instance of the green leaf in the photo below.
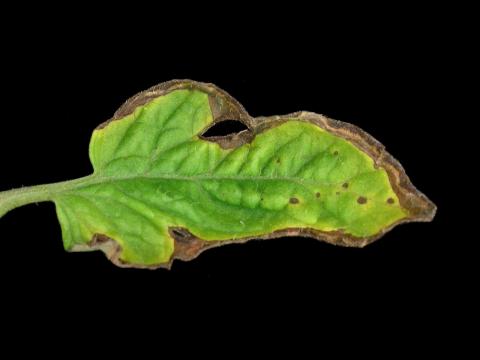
(161, 191)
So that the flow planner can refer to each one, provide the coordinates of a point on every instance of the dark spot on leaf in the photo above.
(278, 161)
(345, 185)
(179, 233)
(294, 200)
(362, 200)
(226, 127)
(261, 199)
(390, 201)
(337, 193)
(335, 153)
(317, 194)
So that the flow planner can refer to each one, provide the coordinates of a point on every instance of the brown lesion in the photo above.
(108, 246)
(362, 200)
(188, 247)
(231, 141)
(224, 107)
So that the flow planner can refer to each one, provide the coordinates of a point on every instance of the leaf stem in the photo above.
(12, 199)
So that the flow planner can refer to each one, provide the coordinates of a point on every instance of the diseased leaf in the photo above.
(161, 191)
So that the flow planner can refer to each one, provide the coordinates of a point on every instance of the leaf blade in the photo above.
(161, 191)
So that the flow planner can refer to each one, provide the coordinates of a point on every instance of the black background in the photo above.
(388, 79)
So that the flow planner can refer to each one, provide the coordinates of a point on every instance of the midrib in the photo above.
(98, 179)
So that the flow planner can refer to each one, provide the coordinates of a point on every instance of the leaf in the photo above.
(161, 191)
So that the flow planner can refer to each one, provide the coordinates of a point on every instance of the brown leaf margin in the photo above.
(224, 107)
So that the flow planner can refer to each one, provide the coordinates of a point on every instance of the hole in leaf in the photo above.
(226, 127)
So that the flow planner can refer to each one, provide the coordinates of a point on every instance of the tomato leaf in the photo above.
(160, 190)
